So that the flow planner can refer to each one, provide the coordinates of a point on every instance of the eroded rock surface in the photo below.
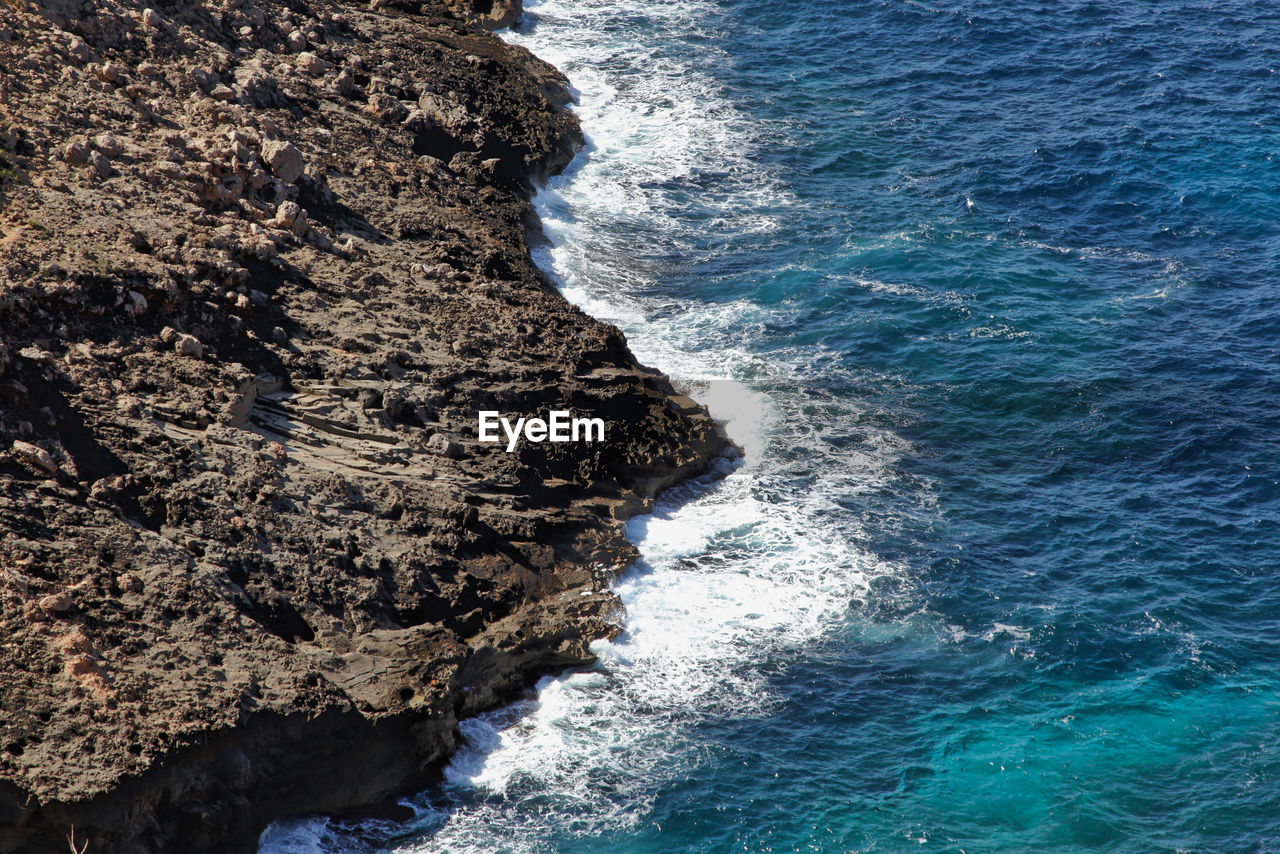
(261, 263)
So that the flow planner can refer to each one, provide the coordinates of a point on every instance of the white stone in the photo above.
(283, 159)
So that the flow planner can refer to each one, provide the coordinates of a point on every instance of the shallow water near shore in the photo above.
(988, 294)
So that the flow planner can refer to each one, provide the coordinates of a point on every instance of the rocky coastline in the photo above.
(262, 262)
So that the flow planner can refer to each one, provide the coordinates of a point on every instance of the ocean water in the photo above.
(990, 294)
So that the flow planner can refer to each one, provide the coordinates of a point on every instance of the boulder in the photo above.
(100, 166)
(75, 153)
(502, 14)
(283, 159)
(188, 345)
(56, 603)
(34, 455)
(108, 145)
(311, 64)
(257, 87)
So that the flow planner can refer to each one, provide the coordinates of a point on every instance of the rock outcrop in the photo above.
(492, 14)
(261, 264)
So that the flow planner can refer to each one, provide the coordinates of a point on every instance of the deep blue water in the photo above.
(989, 291)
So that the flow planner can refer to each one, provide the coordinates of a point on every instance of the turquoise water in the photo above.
(989, 293)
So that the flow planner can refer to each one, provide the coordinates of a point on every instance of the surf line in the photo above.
(558, 426)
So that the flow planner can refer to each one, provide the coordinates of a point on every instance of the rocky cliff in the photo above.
(261, 264)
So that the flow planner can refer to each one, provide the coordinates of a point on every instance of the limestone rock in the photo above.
(443, 446)
(290, 217)
(56, 603)
(79, 50)
(75, 153)
(495, 15)
(135, 304)
(298, 567)
(344, 84)
(311, 64)
(387, 108)
(100, 166)
(188, 345)
(113, 72)
(257, 87)
(502, 14)
(34, 455)
(283, 159)
(108, 145)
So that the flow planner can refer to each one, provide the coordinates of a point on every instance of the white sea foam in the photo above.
(728, 579)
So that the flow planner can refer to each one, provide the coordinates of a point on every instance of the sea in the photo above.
(988, 292)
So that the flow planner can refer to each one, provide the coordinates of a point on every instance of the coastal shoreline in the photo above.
(263, 267)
